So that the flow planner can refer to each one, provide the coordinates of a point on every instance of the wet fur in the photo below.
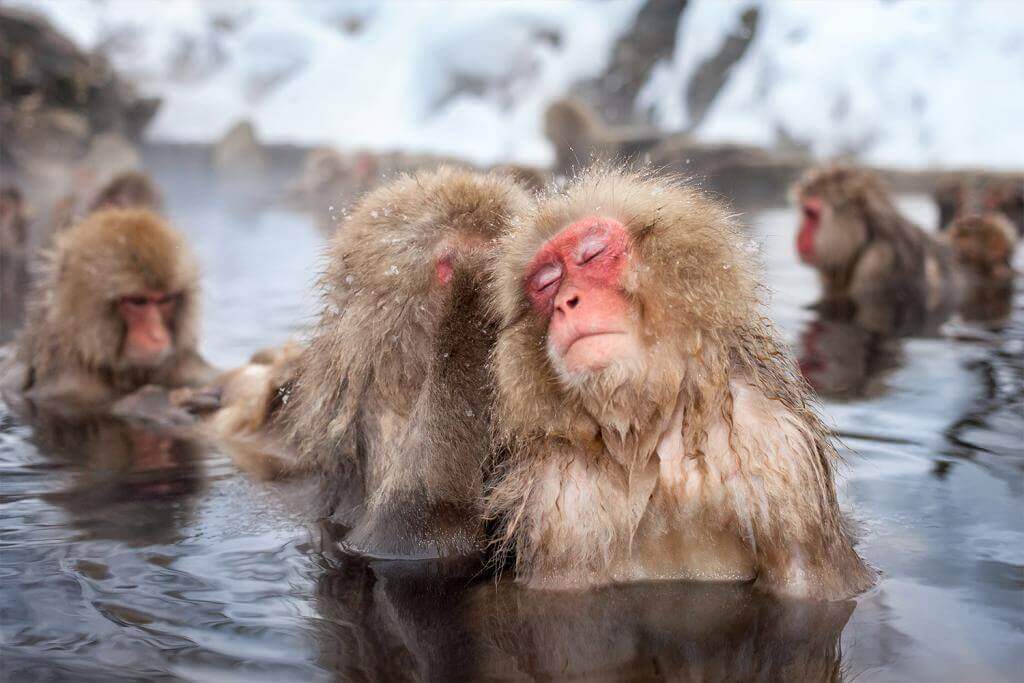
(389, 401)
(71, 344)
(714, 464)
(870, 252)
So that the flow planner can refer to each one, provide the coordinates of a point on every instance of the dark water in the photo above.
(126, 554)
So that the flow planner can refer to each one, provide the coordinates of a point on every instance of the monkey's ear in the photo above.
(444, 267)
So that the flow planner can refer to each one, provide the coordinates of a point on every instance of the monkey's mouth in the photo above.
(589, 335)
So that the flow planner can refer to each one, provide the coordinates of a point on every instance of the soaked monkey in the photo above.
(388, 402)
(131, 189)
(650, 425)
(864, 250)
(969, 194)
(115, 308)
(984, 247)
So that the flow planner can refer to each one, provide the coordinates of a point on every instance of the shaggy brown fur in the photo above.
(131, 189)
(709, 462)
(388, 401)
(967, 194)
(72, 343)
(984, 246)
(866, 251)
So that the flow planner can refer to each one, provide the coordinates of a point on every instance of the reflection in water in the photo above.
(415, 621)
(842, 360)
(115, 470)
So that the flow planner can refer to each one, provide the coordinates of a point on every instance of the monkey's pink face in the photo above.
(148, 317)
(812, 214)
(575, 283)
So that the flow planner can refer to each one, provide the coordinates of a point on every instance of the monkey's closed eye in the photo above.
(135, 300)
(547, 276)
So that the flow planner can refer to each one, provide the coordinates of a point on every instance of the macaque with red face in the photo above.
(649, 423)
(863, 248)
(114, 309)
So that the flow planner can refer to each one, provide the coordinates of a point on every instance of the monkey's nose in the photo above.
(567, 302)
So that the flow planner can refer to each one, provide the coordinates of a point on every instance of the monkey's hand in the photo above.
(200, 401)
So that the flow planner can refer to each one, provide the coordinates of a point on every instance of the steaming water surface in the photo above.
(125, 554)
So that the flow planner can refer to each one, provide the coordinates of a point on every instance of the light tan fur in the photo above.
(709, 462)
(73, 338)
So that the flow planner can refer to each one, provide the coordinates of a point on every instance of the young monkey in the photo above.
(650, 425)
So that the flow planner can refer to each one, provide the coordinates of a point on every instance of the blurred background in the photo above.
(911, 84)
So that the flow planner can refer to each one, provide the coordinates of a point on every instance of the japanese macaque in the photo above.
(984, 246)
(650, 425)
(115, 308)
(580, 137)
(863, 248)
(388, 402)
(969, 194)
(131, 189)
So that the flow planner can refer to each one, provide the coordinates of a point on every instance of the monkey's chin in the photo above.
(146, 361)
(595, 352)
(609, 359)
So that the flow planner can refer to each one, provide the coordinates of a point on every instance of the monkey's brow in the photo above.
(646, 229)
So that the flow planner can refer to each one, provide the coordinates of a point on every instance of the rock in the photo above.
(55, 97)
(239, 156)
(651, 38)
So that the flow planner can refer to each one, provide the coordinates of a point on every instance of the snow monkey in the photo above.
(388, 401)
(131, 189)
(863, 248)
(114, 308)
(649, 423)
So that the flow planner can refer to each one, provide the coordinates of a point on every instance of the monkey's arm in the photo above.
(783, 497)
(874, 275)
(241, 410)
(192, 370)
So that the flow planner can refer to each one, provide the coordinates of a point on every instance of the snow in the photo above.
(905, 84)
(910, 83)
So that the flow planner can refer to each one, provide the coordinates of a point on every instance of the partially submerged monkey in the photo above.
(388, 401)
(115, 308)
(650, 424)
(864, 249)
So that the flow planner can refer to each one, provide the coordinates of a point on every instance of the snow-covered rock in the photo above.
(908, 84)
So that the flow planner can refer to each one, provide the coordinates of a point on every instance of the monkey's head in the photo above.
(1007, 198)
(126, 290)
(619, 292)
(838, 210)
(130, 189)
(984, 244)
